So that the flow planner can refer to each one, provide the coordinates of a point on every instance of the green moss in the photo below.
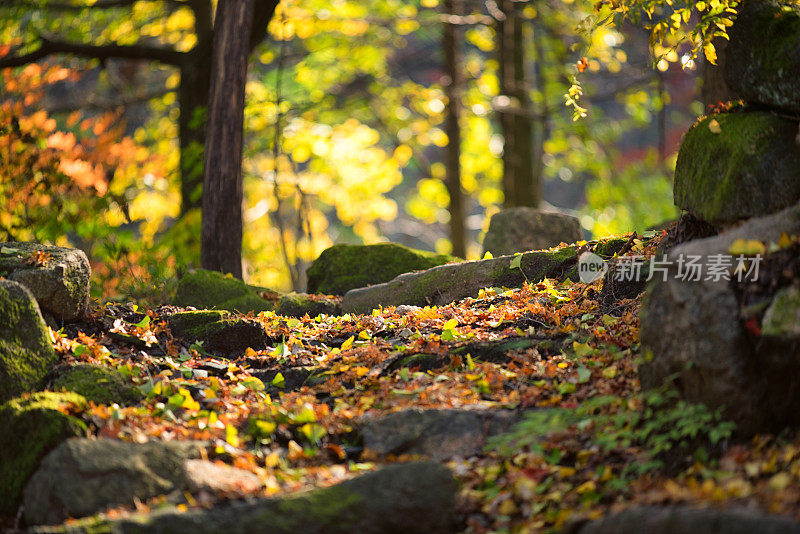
(32, 426)
(26, 352)
(750, 168)
(193, 323)
(209, 289)
(782, 318)
(219, 331)
(606, 248)
(97, 383)
(341, 268)
(299, 305)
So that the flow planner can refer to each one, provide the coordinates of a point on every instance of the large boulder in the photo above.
(734, 166)
(26, 350)
(81, 477)
(31, 427)
(522, 229)
(693, 333)
(439, 434)
(220, 331)
(763, 57)
(455, 281)
(97, 383)
(58, 277)
(341, 268)
(397, 499)
(204, 289)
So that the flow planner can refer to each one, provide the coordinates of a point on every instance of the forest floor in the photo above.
(590, 441)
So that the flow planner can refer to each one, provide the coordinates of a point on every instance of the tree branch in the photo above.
(264, 10)
(48, 47)
(67, 6)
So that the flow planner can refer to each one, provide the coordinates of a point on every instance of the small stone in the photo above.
(97, 383)
(203, 475)
(301, 304)
(522, 229)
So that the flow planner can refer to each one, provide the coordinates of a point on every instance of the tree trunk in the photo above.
(715, 90)
(193, 98)
(519, 183)
(452, 43)
(221, 246)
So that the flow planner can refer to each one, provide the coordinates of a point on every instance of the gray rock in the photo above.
(341, 268)
(439, 434)
(81, 477)
(26, 350)
(750, 167)
(455, 281)
(397, 499)
(59, 281)
(763, 57)
(522, 229)
(203, 475)
(686, 520)
(691, 331)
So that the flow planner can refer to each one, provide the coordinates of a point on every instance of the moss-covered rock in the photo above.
(97, 383)
(220, 332)
(26, 351)
(209, 289)
(57, 277)
(399, 498)
(300, 304)
(341, 268)
(522, 229)
(455, 281)
(32, 426)
(782, 318)
(742, 165)
(763, 56)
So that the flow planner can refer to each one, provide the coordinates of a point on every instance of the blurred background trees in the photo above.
(365, 120)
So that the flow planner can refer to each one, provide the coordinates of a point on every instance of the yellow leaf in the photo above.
(711, 55)
(449, 325)
(347, 344)
(610, 372)
(488, 256)
(586, 487)
(747, 247)
(780, 481)
(714, 126)
(361, 371)
(363, 335)
(784, 241)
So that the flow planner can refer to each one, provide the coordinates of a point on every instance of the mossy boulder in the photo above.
(26, 351)
(220, 331)
(301, 304)
(448, 283)
(57, 277)
(209, 289)
(341, 268)
(31, 426)
(734, 166)
(523, 228)
(763, 55)
(97, 383)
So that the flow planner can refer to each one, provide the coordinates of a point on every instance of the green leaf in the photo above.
(516, 262)
(583, 374)
(278, 381)
(8, 250)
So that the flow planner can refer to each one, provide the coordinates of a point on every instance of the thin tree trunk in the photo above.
(715, 90)
(452, 43)
(193, 98)
(221, 246)
(519, 184)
